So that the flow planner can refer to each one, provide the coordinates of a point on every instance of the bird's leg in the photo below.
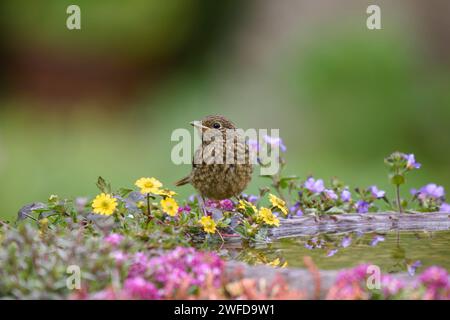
(221, 237)
(238, 197)
(201, 205)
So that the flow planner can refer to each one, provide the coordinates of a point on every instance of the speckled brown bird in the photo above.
(214, 180)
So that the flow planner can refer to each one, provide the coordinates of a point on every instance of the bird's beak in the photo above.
(198, 124)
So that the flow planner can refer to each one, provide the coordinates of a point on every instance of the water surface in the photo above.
(393, 252)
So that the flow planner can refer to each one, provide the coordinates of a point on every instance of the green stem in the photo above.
(399, 203)
(149, 210)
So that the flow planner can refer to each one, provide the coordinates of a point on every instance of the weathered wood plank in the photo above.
(369, 222)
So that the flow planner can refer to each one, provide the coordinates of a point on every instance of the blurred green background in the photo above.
(105, 99)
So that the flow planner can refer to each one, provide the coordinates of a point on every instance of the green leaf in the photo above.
(103, 186)
(284, 182)
(124, 192)
(397, 179)
(335, 210)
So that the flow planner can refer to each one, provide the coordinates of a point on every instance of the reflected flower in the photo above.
(412, 267)
(332, 252)
(346, 241)
(376, 240)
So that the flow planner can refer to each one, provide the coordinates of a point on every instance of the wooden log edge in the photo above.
(369, 222)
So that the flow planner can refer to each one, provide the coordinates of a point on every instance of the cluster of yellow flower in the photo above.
(208, 224)
(265, 214)
(106, 204)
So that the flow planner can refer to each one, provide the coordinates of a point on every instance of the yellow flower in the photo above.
(140, 204)
(104, 204)
(280, 204)
(166, 193)
(208, 224)
(148, 185)
(169, 206)
(274, 263)
(268, 217)
(243, 205)
(277, 263)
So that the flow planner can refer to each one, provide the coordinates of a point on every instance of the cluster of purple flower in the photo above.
(341, 196)
(432, 196)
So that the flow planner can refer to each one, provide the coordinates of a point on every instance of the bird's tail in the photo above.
(183, 181)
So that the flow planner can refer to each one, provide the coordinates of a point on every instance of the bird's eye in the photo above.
(216, 125)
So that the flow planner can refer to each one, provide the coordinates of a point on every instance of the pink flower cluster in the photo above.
(436, 283)
(225, 204)
(160, 277)
(351, 284)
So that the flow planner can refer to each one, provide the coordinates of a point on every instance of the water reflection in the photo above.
(407, 251)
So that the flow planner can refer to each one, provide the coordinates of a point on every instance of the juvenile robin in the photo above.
(222, 180)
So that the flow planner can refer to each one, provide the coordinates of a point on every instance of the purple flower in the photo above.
(114, 239)
(295, 209)
(139, 288)
(315, 186)
(275, 142)
(346, 195)
(346, 241)
(378, 194)
(445, 207)
(252, 198)
(411, 162)
(226, 204)
(412, 267)
(253, 145)
(376, 240)
(332, 252)
(186, 208)
(431, 190)
(331, 194)
(362, 206)
(211, 203)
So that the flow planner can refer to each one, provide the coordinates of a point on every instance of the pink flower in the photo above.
(391, 286)
(119, 256)
(226, 204)
(139, 288)
(434, 277)
(114, 239)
